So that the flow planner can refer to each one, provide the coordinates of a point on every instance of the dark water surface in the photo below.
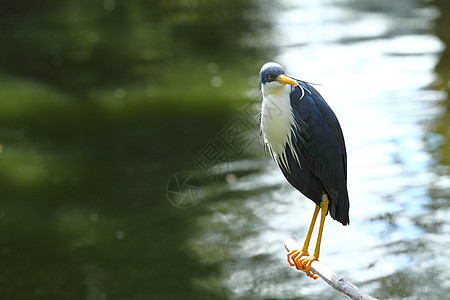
(130, 163)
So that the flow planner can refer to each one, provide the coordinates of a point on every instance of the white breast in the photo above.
(277, 120)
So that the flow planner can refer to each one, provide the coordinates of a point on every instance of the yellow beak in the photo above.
(286, 80)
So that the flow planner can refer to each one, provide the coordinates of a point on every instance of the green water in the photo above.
(99, 107)
(102, 104)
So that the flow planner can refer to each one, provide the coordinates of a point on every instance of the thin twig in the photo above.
(337, 282)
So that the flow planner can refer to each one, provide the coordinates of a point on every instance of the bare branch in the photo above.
(335, 281)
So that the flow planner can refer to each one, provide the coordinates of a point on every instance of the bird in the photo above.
(303, 135)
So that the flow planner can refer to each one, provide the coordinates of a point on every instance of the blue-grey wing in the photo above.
(322, 146)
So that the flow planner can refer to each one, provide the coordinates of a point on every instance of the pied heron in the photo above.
(303, 136)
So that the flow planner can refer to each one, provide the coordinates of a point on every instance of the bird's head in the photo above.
(273, 78)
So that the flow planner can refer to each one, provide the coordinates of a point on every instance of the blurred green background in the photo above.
(101, 103)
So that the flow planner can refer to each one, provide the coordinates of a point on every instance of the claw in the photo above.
(307, 266)
(302, 264)
(293, 258)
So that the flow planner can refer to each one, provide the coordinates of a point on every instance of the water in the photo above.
(375, 68)
(106, 110)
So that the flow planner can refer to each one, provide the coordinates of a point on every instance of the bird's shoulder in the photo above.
(304, 98)
(311, 109)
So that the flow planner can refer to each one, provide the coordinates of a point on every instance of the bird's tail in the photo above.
(340, 206)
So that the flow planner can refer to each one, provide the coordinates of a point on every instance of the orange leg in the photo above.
(304, 264)
(293, 257)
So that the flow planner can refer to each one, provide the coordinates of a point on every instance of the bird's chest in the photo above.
(276, 121)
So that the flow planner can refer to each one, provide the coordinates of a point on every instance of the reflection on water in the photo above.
(375, 64)
(101, 105)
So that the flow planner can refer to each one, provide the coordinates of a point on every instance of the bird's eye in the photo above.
(270, 77)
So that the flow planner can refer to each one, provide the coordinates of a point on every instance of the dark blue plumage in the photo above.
(320, 148)
(305, 139)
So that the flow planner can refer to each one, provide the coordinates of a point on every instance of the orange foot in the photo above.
(303, 264)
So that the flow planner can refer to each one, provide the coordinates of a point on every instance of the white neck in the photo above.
(277, 120)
